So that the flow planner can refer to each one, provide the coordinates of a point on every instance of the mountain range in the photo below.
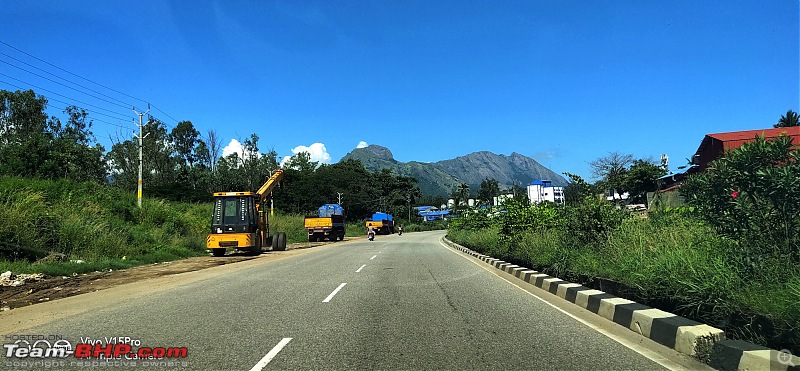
(443, 177)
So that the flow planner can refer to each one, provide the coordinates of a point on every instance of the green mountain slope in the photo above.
(443, 177)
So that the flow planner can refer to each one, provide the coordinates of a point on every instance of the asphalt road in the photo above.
(399, 302)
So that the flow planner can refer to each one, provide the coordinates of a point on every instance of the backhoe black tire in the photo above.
(218, 252)
(311, 238)
(256, 250)
(279, 242)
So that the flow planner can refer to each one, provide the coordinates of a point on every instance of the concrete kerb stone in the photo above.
(642, 320)
(582, 297)
(741, 355)
(515, 271)
(525, 275)
(548, 281)
(608, 306)
(697, 340)
(536, 279)
(681, 334)
(562, 289)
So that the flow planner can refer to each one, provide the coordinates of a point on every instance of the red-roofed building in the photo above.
(711, 148)
(714, 146)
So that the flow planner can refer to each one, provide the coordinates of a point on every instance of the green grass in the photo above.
(97, 224)
(291, 224)
(678, 261)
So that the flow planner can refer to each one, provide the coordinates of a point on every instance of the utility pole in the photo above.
(408, 198)
(340, 197)
(141, 138)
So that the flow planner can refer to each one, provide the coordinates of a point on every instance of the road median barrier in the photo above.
(685, 336)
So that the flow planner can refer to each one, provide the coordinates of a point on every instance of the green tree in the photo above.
(610, 171)
(60, 150)
(787, 120)
(463, 191)
(162, 173)
(640, 179)
(489, 189)
(184, 138)
(577, 190)
(301, 161)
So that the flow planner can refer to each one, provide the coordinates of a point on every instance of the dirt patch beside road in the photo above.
(53, 288)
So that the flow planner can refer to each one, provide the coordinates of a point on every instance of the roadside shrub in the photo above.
(473, 220)
(752, 194)
(522, 217)
(589, 223)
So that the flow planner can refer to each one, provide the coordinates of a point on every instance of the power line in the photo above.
(80, 77)
(62, 84)
(71, 82)
(159, 110)
(98, 120)
(73, 74)
(67, 103)
(61, 95)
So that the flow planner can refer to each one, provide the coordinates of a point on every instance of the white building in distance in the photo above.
(543, 190)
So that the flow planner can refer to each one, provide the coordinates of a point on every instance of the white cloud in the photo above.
(362, 144)
(233, 147)
(317, 151)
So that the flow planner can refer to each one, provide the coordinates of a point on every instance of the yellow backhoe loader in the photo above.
(240, 221)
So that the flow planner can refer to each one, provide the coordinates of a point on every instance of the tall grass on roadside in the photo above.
(672, 260)
(434, 225)
(96, 224)
(291, 224)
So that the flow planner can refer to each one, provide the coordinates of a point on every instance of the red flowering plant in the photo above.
(752, 194)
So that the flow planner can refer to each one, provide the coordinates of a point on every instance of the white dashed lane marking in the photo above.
(333, 293)
(272, 353)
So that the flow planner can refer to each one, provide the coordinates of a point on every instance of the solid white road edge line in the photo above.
(333, 293)
(655, 357)
(272, 353)
(359, 269)
(373, 257)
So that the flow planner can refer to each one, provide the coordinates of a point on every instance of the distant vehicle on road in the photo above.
(327, 224)
(382, 223)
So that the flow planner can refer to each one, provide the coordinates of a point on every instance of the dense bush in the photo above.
(519, 216)
(752, 195)
(590, 222)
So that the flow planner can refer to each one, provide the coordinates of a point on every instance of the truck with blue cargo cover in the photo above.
(327, 224)
(381, 223)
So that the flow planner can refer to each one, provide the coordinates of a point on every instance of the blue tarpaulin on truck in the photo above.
(328, 210)
(381, 216)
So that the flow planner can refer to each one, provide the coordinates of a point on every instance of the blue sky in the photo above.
(564, 82)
